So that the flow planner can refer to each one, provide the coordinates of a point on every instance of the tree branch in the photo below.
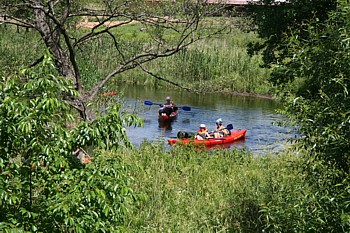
(37, 61)
(93, 33)
(15, 21)
(142, 58)
(167, 81)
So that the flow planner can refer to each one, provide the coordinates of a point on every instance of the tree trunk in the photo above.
(52, 40)
(51, 37)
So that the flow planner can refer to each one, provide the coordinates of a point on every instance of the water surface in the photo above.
(254, 114)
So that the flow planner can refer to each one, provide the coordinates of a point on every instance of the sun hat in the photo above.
(167, 98)
(202, 126)
(219, 121)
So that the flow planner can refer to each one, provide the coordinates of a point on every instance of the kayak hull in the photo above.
(235, 135)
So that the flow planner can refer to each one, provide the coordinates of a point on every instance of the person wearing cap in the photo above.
(202, 133)
(221, 130)
(169, 103)
(168, 107)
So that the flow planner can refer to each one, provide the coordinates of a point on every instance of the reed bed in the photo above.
(217, 64)
(219, 69)
(186, 190)
(22, 51)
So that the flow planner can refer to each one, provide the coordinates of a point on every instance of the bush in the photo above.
(43, 186)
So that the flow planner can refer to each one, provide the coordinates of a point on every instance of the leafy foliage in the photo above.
(42, 184)
(320, 102)
(275, 20)
(316, 98)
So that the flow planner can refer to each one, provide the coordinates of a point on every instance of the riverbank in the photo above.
(235, 93)
(219, 65)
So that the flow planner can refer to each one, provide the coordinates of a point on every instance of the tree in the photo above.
(276, 21)
(43, 186)
(313, 82)
(170, 25)
(320, 97)
(317, 100)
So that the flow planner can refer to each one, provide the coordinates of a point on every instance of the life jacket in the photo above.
(168, 109)
(202, 132)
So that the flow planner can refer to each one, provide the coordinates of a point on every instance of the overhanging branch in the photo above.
(166, 80)
(15, 21)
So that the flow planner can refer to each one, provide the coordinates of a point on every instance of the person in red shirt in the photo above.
(168, 107)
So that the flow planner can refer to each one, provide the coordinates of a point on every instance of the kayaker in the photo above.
(202, 133)
(168, 107)
(221, 130)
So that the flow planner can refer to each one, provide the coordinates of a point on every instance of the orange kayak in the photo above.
(235, 135)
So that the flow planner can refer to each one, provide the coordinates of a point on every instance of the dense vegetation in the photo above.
(43, 187)
(276, 22)
(169, 27)
(215, 65)
(187, 190)
(313, 78)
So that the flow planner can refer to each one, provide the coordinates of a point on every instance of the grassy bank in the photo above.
(218, 64)
(214, 65)
(186, 190)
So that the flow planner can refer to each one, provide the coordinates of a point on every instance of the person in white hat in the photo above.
(221, 130)
(202, 132)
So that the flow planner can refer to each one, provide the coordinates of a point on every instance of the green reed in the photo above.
(18, 47)
(191, 190)
(220, 64)
(217, 64)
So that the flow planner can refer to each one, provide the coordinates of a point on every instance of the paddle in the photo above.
(229, 126)
(186, 108)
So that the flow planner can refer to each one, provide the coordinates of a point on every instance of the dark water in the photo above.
(255, 115)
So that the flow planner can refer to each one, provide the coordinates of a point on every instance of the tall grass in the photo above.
(18, 47)
(217, 64)
(220, 64)
(186, 190)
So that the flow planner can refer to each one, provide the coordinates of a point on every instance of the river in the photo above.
(254, 114)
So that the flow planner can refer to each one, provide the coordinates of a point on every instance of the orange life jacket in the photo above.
(202, 131)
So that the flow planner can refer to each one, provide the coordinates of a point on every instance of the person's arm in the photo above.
(207, 135)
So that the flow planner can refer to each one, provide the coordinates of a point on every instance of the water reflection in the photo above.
(165, 125)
